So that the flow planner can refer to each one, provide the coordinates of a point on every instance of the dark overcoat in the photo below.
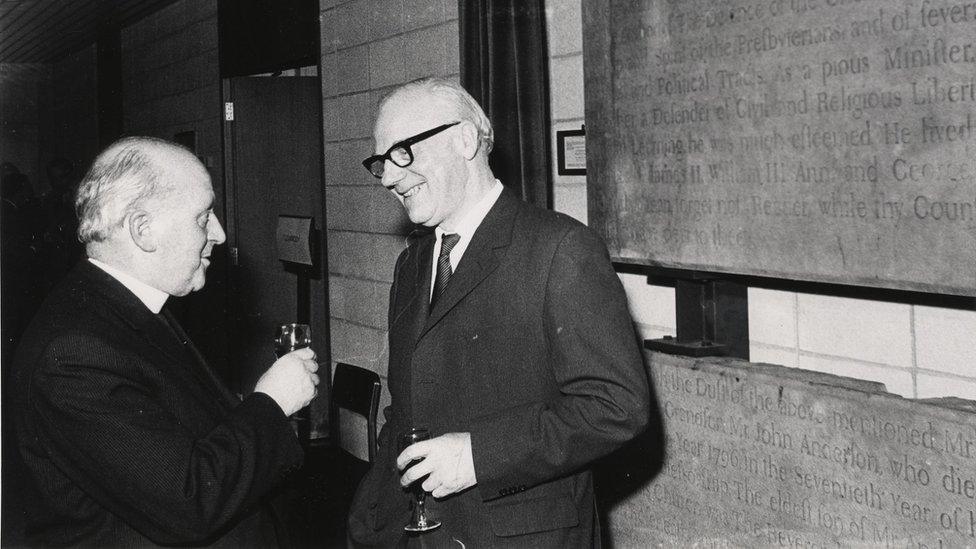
(130, 438)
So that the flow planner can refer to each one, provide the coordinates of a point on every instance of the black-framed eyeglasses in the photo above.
(399, 153)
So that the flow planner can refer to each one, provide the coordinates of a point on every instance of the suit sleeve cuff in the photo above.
(263, 412)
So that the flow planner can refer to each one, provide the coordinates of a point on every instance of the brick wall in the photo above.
(369, 46)
(171, 84)
(171, 78)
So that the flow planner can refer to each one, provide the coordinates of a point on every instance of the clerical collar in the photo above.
(152, 298)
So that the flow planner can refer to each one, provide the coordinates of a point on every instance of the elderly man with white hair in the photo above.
(510, 344)
(130, 438)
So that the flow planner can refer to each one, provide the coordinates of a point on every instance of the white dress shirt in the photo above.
(465, 229)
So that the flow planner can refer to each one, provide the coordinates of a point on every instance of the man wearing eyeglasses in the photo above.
(510, 341)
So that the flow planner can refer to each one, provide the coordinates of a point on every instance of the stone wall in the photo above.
(761, 455)
(918, 350)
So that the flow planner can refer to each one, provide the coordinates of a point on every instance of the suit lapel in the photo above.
(190, 350)
(152, 328)
(408, 313)
(131, 311)
(414, 283)
(484, 253)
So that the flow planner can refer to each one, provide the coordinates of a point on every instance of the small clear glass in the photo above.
(291, 337)
(419, 521)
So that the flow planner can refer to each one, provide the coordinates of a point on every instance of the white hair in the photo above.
(122, 178)
(466, 106)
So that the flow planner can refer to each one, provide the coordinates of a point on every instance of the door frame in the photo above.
(232, 225)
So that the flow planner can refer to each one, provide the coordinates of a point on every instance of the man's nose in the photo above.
(392, 174)
(215, 232)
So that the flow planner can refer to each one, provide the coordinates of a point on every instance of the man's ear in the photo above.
(139, 225)
(470, 140)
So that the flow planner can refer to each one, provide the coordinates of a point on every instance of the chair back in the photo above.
(355, 404)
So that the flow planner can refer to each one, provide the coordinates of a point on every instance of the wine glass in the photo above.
(419, 521)
(288, 338)
(291, 337)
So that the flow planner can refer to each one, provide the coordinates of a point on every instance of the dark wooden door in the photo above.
(274, 168)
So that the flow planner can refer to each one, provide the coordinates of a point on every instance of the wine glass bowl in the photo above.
(291, 337)
(288, 338)
(419, 521)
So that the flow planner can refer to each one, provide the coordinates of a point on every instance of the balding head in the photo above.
(127, 175)
(444, 95)
(146, 208)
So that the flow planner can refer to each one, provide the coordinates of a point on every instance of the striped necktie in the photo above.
(444, 272)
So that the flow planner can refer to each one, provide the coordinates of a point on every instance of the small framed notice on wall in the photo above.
(571, 152)
(294, 239)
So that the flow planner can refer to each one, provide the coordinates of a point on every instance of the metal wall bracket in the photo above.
(712, 318)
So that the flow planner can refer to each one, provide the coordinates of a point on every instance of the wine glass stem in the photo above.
(419, 511)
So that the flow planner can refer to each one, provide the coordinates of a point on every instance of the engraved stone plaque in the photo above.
(823, 140)
(767, 456)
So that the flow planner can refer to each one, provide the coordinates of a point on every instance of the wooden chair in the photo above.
(334, 469)
(355, 404)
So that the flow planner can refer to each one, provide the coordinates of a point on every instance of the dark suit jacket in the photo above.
(130, 438)
(530, 349)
